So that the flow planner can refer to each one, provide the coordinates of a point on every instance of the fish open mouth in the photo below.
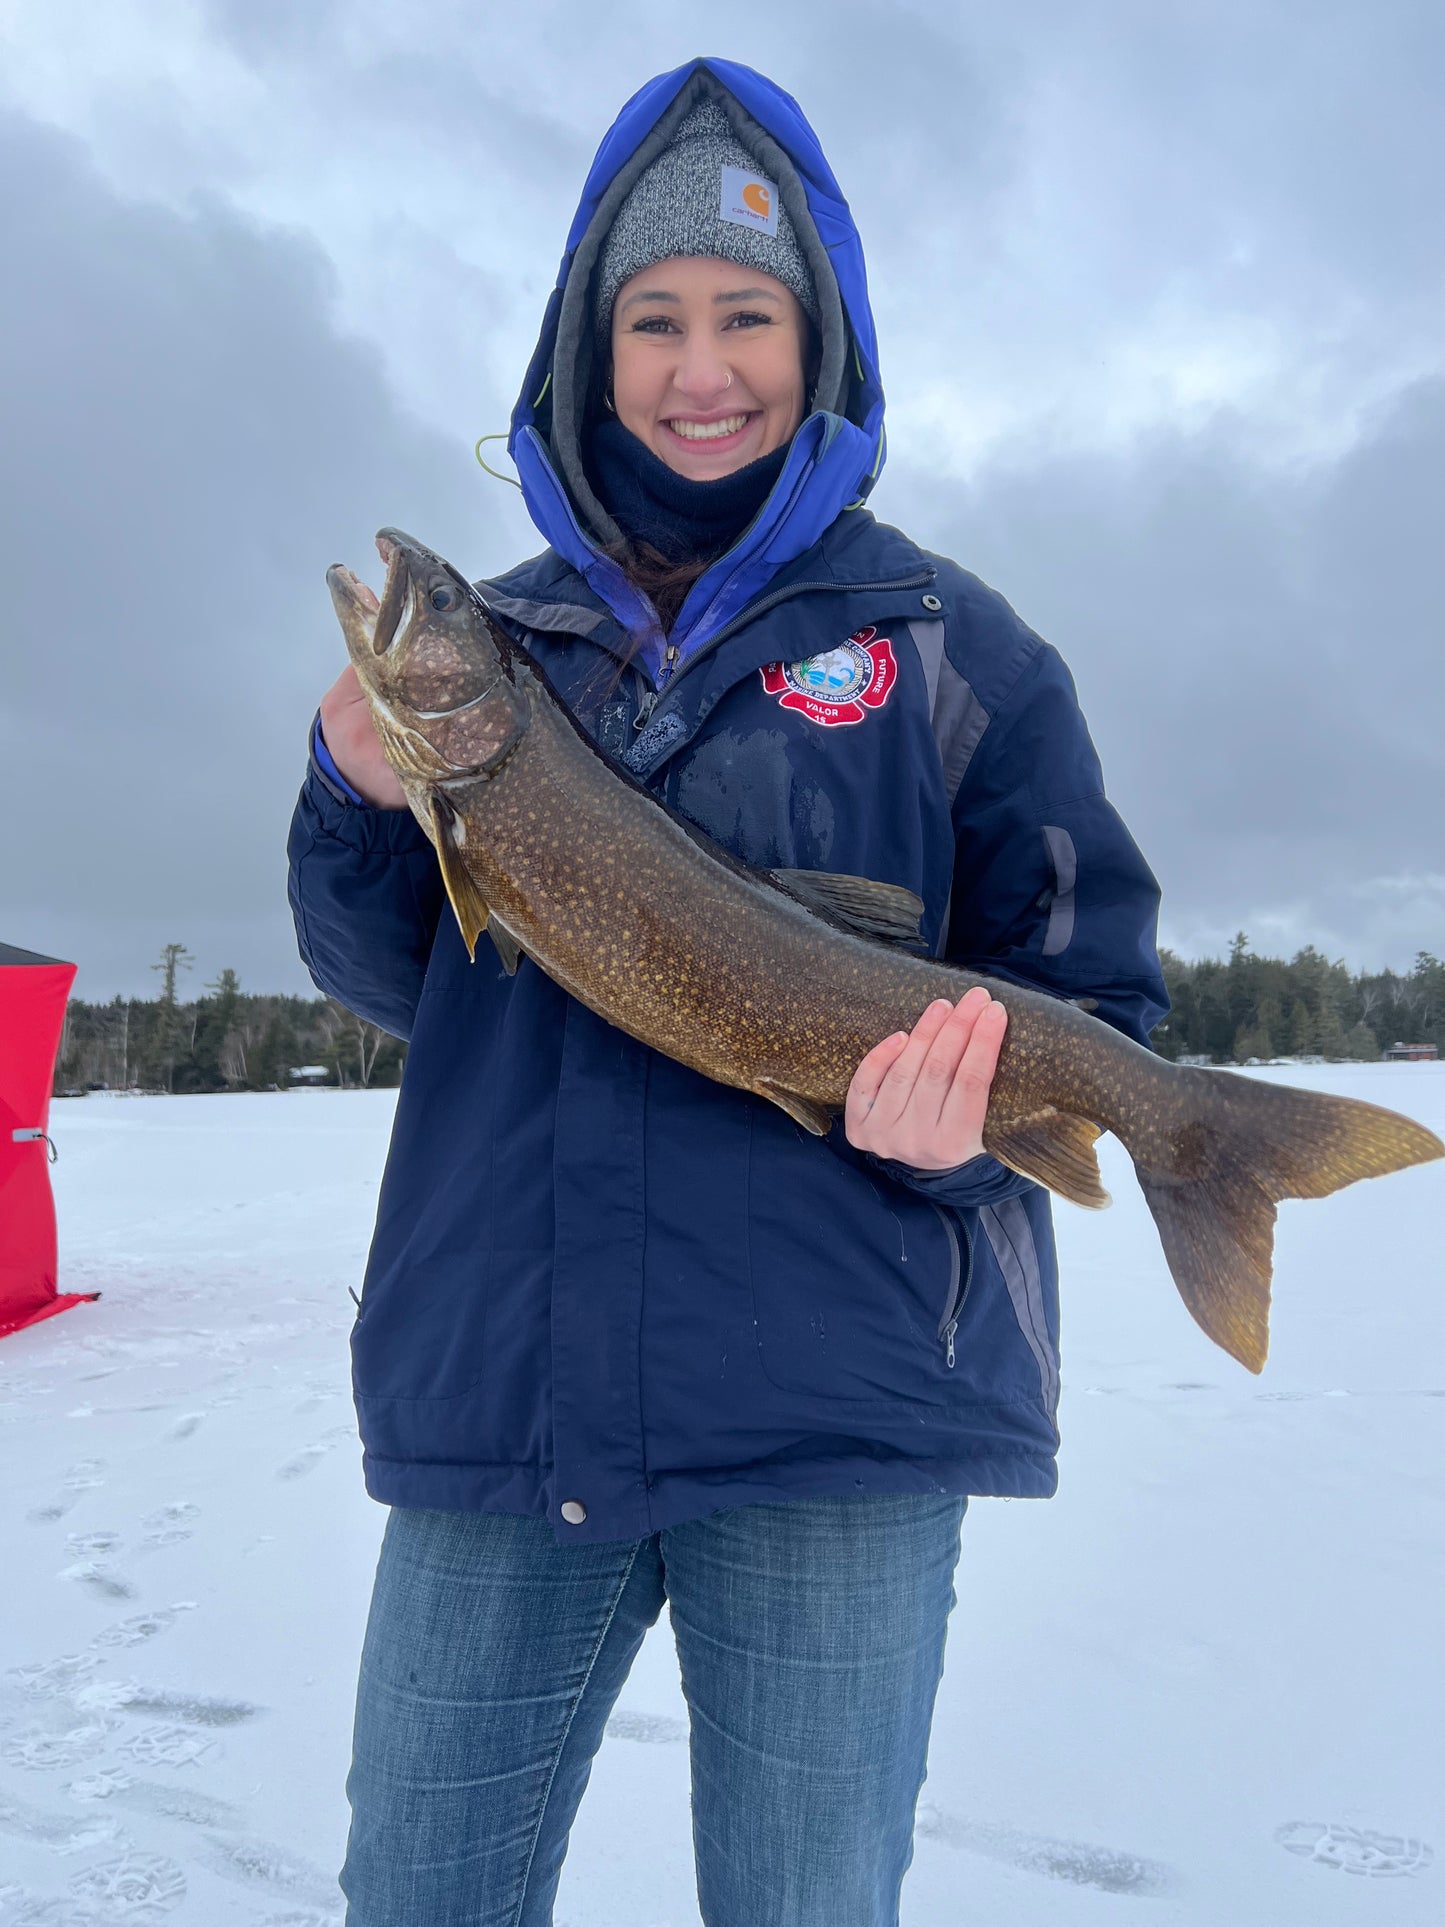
(355, 604)
(398, 596)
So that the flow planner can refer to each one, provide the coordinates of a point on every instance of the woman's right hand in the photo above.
(355, 746)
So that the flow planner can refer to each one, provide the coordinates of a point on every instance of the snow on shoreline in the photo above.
(1201, 1686)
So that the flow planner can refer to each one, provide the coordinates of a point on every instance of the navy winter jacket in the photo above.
(597, 1276)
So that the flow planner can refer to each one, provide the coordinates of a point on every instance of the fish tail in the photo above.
(1214, 1166)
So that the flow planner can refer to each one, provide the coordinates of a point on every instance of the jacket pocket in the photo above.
(855, 1280)
(960, 1275)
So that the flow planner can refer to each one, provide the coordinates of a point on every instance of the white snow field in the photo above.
(1202, 1686)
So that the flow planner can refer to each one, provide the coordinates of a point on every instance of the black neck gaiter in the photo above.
(683, 520)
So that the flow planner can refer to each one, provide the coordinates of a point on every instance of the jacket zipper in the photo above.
(958, 1282)
(671, 672)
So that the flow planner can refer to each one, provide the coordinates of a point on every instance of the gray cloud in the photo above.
(190, 443)
(1259, 655)
(1160, 301)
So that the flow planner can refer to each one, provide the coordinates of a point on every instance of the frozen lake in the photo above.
(1203, 1685)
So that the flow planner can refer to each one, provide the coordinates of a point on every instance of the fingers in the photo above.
(863, 1090)
(354, 745)
(921, 1098)
(965, 1104)
(919, 1079)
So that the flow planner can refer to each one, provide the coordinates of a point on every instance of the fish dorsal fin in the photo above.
(807, 1111)
(466, 899)
(884, 911)
(507, 947)
(1054, 1148)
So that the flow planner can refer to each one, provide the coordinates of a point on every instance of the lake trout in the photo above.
(551, 848)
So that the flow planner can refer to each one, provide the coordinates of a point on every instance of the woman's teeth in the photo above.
(708, 431)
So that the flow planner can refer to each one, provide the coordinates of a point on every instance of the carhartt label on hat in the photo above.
(749, 199)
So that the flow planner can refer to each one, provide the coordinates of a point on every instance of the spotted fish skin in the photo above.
(766, 982)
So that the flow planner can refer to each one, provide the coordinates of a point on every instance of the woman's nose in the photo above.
(703, 376)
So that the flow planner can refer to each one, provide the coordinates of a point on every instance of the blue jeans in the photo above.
(810, 1637)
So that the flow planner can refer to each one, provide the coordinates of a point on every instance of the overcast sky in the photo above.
(1161, 301)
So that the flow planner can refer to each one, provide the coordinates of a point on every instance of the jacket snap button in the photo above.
(932, 602)
(573, 1511)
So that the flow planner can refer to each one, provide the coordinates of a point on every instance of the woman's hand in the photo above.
(355, 746)
(920, 1099)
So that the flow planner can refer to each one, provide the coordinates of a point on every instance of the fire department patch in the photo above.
(840, 685)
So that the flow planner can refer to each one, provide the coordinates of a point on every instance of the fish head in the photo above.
(437, 671)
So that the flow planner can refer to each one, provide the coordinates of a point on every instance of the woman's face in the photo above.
(707, 363)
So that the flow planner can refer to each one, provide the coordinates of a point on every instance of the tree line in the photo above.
(1230, 1010)
(1225, 1011)
(225, 1040)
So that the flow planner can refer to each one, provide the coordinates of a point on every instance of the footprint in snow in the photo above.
(311, 1456)
(186, 1426)
(143, 1626)
(260, 1863)
(652, 1729)
(309, 1917)
(39, 1748)
(92, 1542)
(164, 1744)
(33, 1911)
(98, 1579)
(84, 1476)
(62, 1833)
(168, 1525)
(1355, 1849)
(1077, 1862)
(53, 1678)
(137, 1887)
(189, 1709)
(181, 1803)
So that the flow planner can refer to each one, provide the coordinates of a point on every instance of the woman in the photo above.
(627, 1335)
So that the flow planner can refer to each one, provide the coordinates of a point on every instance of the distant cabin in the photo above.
(1412, 1054)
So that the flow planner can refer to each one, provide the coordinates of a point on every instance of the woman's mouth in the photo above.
(718, 431)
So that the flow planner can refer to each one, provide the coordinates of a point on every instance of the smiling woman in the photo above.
(628, 1336)
(708, 375)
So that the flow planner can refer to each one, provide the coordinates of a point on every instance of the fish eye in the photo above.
(444, 598)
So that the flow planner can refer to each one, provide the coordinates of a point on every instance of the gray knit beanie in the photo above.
(702, 195)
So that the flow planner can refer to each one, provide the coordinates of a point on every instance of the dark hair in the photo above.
(664, 583)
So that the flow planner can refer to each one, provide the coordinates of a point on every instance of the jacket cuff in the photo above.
(982, 1180)
(360, 826)
(325, 766)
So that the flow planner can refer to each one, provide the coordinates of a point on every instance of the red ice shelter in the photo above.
(33, 991)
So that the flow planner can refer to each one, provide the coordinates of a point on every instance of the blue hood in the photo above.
(837, 453)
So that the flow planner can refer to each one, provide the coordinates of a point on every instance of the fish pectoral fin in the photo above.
(1054, 1148)
(507, 947)
(466, 899)
(807, 1111)
(884, 911)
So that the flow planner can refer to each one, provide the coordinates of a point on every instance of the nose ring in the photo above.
(729, 382)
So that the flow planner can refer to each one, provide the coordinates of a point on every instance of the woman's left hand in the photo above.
(920, 1098)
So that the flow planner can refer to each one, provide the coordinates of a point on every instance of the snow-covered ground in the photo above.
(1201, 1686)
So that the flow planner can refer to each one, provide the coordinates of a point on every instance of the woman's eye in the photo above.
(744, 319)
(652, 324)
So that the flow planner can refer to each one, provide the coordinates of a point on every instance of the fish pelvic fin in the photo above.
(466, 899)
(1054, 1148)
(807, 1111)
(505, 945)
(1214, 1166)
